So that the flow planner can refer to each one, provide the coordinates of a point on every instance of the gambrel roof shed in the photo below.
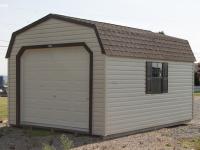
(97, 78)
(116, 40)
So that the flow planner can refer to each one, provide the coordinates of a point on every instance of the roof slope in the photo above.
(116, 40)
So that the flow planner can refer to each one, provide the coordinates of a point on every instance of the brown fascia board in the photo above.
(55, 16)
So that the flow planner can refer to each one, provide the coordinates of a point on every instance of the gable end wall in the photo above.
(55, 31)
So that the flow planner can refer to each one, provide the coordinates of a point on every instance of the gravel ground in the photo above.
(163, 139)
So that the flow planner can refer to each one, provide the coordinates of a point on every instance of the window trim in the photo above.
(162, 91)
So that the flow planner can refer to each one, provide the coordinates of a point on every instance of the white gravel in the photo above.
(163, 139)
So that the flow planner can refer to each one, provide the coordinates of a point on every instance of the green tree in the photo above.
(196, 79)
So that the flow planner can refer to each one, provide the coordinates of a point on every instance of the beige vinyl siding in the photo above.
(128, 108)
(55, 31)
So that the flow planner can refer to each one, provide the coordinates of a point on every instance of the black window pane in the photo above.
(148, 69)
(148, 76)
(156, 69)
(156, 77)
(165, 85)
(165, 70)
(165, 78)
(156, 85)
(148, 85)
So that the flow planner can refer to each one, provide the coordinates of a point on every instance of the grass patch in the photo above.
(38, 132)
(168, 145)
(65, 142)
(196, 93)
(3, 108)
(191, 143)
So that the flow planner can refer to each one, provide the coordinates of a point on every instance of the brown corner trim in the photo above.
(192, 91)
(55, 16)
(18, 57)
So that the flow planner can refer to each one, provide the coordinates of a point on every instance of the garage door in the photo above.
(55, 88)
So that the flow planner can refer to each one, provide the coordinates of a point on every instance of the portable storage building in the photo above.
(98, 78)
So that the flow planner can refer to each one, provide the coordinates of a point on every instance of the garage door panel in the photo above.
(40, 65)
(46, 123)
(70, 107)
(59, 67)
(55, 56)
(59, 115)
(72, 121)
(59, 74)
(78, 85)
(49, 98)
(58, 96)
(55, 87)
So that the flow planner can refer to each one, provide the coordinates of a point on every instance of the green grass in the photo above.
(168, 145)
(196, 94)
(38, 132)
(3, 108)
(193, 143)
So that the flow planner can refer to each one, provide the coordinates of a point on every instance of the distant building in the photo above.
(197, 73)
(3, 86)
(197, 67)
(1, 82)
(5, 79)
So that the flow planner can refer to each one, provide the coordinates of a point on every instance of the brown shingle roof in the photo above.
(117, 40)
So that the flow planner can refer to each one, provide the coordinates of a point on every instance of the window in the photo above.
(156, 77)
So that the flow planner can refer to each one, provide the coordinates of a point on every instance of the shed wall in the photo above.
(128, 108)
(55, 31)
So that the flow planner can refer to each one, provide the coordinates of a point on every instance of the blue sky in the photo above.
(180, 18)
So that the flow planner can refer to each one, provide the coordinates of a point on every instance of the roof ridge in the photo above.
(101, 22)
(94, 22)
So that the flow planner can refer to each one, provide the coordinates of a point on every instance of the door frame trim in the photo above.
(18, 86)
